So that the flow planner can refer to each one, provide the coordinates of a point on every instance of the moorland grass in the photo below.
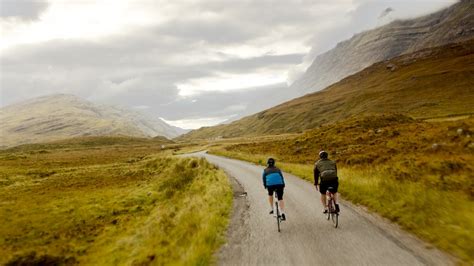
(110, 206)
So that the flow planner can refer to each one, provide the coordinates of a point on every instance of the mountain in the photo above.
(453, 24)
(433, 82)
(62, 116)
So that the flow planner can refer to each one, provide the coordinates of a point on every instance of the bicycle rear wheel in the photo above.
(334, 214)
(277, 215)
(328, 213)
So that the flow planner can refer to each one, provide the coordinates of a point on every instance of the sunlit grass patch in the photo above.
(445, 218)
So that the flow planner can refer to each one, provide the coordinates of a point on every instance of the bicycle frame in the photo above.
(277, 209)
(332, 213)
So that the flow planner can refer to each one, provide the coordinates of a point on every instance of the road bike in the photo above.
(332, 214)
(277, 209)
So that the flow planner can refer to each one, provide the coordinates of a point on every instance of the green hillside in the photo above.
(429, 83)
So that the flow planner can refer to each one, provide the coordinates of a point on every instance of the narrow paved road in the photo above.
(306, 237)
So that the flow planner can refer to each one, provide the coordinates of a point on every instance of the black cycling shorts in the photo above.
(323, 187)
(278, 189)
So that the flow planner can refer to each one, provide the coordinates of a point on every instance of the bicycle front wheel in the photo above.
(334, 215)
(277, 216)
(328, 213)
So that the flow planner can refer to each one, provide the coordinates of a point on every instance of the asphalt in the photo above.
(307, 238)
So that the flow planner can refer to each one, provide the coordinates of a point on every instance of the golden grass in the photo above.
(442, 217)
(110, 205)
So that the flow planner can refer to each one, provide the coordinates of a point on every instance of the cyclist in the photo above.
(327, 171)
(273, 181)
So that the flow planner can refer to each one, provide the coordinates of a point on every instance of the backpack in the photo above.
(327, 170)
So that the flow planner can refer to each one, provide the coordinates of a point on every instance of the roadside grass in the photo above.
(110, 208)
(417, 174)
(442, 217)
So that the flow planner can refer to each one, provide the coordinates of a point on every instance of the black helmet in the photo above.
(323, 155)
(271, 162)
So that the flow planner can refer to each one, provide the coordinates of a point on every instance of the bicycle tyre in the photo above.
(277, 215)
(328, 214)
(334, 214)
(335, 220)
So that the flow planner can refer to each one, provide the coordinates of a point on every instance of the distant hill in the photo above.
(453, 24)
(90, 142)
(433, 82)
(61, 116)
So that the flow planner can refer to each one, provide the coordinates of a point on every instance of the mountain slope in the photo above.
(453, 24)
(429, 83)
(62, 116)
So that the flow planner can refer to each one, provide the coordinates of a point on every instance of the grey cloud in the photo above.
(131, 69)
(387, 11)
(22, 9)
(222, 104)
(224, 22)
(254, 63)
(216, 31)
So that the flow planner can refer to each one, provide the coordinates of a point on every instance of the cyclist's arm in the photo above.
(282, 179)
(264, 179)
(316, 175)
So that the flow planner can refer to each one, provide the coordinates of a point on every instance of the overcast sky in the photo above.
(194, 63)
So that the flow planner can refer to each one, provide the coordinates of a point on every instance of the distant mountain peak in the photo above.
(59, 116)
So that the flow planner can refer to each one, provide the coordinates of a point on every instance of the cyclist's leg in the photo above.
(335, 185)
(279, 192)
(270, 196)
(322, 190)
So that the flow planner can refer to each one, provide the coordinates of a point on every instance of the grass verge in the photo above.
(145, 210)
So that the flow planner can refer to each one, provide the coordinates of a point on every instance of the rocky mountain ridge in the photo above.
(62, 116)
(453, 24)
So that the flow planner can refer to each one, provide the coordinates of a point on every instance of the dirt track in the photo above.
(307, 238)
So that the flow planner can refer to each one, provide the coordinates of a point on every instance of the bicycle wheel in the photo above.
(277, 215)
(334, 214)
(328, 214)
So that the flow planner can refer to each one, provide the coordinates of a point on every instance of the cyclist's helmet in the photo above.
(271, 162)
(323, 155)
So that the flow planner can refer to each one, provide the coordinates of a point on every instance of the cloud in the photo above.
(121, 68)
(141, 107)
(387, 11)
(197, 122)
(236, 103)
(22, 9)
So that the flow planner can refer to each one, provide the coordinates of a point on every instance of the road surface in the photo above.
(307, 238)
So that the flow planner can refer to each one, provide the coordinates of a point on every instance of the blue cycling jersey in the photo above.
(272, 176)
